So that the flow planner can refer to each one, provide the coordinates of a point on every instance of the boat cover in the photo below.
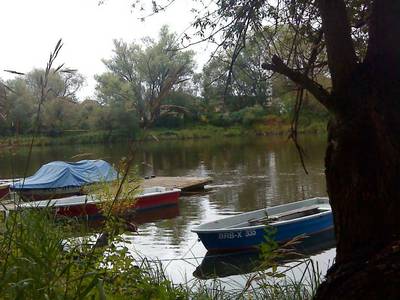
(59, 174)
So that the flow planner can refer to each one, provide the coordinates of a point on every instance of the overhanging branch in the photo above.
(278, 66)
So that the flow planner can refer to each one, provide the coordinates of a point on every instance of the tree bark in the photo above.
(342, 58)
(363, 172)
(362, 163)
(363, 181)
(363, 155)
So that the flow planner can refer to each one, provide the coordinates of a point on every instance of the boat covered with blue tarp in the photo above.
(58, 176)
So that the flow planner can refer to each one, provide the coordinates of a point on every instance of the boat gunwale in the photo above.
(59, 202)
(89, 199)
(166, 191)
(255, 227)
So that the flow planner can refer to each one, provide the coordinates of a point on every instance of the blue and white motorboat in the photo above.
(284, 222)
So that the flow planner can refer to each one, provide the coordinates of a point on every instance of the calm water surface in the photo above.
(248, 174)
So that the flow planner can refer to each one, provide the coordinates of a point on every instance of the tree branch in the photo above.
(383, 44)
(313, 87)
(342, 58)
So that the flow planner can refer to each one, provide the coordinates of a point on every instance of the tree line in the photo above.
(151, 84)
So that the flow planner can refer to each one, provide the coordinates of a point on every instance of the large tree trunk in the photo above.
(363, 182)
(363, 156)
(363, 159)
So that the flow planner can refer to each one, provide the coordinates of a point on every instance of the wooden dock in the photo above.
(186, 184)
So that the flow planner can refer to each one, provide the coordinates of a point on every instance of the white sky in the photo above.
(31, 29)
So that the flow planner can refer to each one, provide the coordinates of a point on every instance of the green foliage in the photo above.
(245, 78)
(19, 108)
(60, 84)
(33, 262)
(58, 113)
(38, 262)
(246, 117)
(188, 113)
(196, 132)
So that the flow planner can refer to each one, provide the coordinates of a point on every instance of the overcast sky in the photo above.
(31, 29)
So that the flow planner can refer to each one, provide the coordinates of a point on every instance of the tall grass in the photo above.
(44, 261)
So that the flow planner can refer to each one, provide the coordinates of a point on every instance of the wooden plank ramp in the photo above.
(186, 184)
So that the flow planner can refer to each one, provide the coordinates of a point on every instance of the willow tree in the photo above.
(140, 76)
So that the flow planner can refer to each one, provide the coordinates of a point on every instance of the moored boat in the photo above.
(284, 222)
(59, 179)
(91, 206)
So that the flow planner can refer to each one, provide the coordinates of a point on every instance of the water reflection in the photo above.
(228, 264)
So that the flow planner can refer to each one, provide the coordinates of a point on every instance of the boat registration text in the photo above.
(236, 234)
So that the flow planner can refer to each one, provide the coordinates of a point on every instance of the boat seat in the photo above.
(289, 215)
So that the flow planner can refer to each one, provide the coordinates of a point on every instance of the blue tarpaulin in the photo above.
(58, 174)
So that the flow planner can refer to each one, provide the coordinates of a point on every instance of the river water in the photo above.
(248, 173)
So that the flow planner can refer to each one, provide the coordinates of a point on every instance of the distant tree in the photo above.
(60, 84)
(3, 99)
(223, 78)
(58, 111)
(181, 108)
(59, 114)
(21, 104)
(142, 75)
(87, 114)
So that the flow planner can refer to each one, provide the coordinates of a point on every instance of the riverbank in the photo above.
(79, 270)
(195, 132)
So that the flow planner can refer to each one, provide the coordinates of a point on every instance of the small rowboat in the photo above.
(89, 205)
(248, 230)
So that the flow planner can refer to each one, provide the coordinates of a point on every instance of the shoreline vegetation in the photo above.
(76, 268)
(281, 128)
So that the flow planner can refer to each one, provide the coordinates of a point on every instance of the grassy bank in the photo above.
(98, 137)
(269, 126)
(41, 259)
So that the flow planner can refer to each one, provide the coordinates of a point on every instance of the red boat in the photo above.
(87, 205)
